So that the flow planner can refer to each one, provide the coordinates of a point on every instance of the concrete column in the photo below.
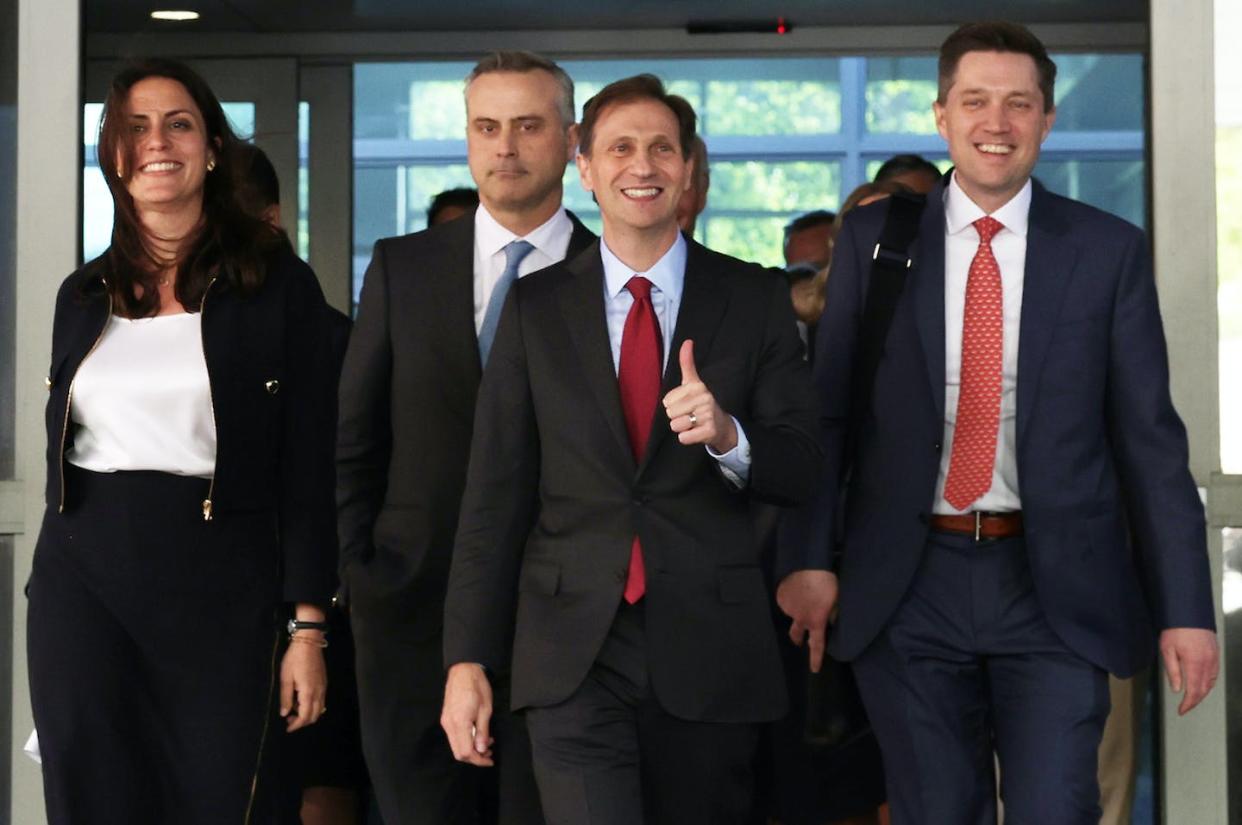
(1193, 759)
(49, 148)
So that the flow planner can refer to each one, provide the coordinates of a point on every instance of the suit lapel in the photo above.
(579, 239)
(582, 305)
(452, 287)
(703, 303)
(928, 275)
(1049, 263)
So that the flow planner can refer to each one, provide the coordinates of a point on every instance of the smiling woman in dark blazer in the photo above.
(189, 495)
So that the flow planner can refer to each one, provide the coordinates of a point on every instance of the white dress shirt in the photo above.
(142, 399)
(1009, 249)
(667, 276)
(550, 239)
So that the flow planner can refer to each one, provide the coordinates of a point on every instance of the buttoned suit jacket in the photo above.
(554, 496)
(1114, 527)
(407, 400)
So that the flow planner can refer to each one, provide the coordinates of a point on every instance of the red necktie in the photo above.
(639, 378)
(979, 400)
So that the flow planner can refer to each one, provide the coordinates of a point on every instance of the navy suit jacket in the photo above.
(1115, 530)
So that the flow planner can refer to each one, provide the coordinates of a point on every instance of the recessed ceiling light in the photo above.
(174, 15)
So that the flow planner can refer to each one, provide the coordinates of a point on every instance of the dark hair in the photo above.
(257, 186)
(463, 197)
(522, 61)
(628, 90)
(866, 190)
(900, 164)
(820, 217)
(228, 243)
(996, 36)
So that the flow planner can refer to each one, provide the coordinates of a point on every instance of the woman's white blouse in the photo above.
(142, 400)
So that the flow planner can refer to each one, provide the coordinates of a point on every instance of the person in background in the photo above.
(1020, 518)
(694, 200)
(321, 768)
(913, 171)
(451, 204)
(426, 320)
(808, 239)
(189, 486)
(1119, 746)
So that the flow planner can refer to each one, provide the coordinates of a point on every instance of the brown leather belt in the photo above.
(980, 524)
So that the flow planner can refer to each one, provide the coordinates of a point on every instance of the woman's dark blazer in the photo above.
(273, 389)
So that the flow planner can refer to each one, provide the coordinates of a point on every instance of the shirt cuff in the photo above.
(735, 464)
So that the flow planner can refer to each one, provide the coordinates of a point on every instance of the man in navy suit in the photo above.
(1018, 519)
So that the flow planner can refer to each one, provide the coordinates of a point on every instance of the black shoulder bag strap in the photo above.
(890, 263)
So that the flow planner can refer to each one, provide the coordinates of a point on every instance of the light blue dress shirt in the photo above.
(667, 277)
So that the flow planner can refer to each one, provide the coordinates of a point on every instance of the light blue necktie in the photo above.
(514, 253)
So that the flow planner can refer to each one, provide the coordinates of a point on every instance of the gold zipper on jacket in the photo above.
(64, 430)
(211, 487)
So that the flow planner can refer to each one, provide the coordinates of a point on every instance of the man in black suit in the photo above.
(618, 526)
(427, 315)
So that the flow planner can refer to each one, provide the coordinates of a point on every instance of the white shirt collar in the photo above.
(490, 237)
(960, 211)
(667, 274)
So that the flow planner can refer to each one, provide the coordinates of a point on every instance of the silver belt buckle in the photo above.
(978, 524)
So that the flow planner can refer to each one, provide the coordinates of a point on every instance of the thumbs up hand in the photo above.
(693, 412)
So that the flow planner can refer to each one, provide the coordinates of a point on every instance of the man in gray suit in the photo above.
(429, 308)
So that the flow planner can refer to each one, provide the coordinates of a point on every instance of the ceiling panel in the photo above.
(117, 16)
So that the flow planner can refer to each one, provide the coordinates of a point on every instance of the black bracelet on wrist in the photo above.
(295, 625)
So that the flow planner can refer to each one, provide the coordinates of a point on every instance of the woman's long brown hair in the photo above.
(228, 243)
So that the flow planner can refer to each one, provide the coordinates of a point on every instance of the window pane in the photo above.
(409, 100)
(772, 107)
(1117, 186)
(751, 201)
(1229, 231)
(787, 186)
(900, 93)
(1099, 92)
(751, 239)
(787, 96)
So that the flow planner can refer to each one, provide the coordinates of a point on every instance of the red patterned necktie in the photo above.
(639, 379)
(979, 399)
